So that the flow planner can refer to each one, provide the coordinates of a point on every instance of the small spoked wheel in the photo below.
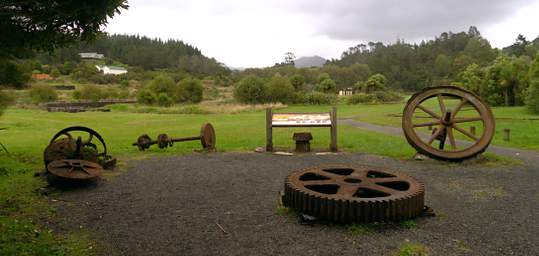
(448, 123)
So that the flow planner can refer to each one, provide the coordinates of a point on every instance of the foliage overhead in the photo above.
(47, 25)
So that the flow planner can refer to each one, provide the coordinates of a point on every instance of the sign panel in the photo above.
(291, 119)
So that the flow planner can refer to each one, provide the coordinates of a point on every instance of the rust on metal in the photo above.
(206, 137)
(73, 157)
(74, 169)
(354, 194)
(452, 111)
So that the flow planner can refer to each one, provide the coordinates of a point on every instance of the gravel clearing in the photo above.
(225, 204)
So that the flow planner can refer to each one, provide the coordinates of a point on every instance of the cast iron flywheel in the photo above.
(354, 194)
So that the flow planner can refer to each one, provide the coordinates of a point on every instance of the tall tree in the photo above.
(46, 25)
(532, 100)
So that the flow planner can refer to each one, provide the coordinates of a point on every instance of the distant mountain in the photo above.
(307, 62)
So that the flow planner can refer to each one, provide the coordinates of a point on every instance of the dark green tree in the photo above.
(532, 100)
(46, 25)
(250, 89)
(190, 90)
(279, 89)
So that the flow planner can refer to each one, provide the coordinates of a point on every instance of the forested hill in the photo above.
(146, 53)
(414, 66)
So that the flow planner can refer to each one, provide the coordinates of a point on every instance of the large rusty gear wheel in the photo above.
(452, 115)
(357, 194)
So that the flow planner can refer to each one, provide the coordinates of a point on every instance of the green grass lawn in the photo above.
(524, 132)
(29, 131)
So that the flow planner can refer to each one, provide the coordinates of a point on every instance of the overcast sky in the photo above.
(256, 33)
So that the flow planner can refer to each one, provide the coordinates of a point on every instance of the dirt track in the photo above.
(171, 206)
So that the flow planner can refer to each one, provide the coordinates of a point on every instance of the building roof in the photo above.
(116, 68)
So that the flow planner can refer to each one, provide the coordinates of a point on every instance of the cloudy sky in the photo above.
(257, 33)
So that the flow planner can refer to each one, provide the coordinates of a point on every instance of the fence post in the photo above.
(333, 116)
(506, 134)
(472, 130)
(269, 132)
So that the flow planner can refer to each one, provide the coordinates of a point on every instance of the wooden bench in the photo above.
(314, 120)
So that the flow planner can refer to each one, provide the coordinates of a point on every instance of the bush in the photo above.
(164, 100)
(13, 75)
(297, 81)
(326, 86)
(279, 89)
(5, 101)
(55, 73)
(360, 98)
(146, 97)
(90, 92)
(318, 98)
(124, 84)
(251, 90)
(374, 98)
(42, 93)
(376, 82)
(162, 84)
(190, 90)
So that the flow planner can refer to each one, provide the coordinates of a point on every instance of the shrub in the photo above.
(146, 97)
(13, 75)
(42, 93)
(279, 89)
(5, 101)
(387, 96)
(162, 84)
(326, 86)
(374, 98)
(124, 84)
(164, 100)
(376, 82)
(359, 98)
(250, 89)
(297, 81)
(190, 90)
(90, 92)
(55, 73)
(318, 98)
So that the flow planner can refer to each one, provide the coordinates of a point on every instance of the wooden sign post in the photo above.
(283, 120)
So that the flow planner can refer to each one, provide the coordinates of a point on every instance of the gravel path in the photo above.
(172, 205)
(525, 155)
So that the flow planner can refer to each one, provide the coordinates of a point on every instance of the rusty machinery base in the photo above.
(357, 194)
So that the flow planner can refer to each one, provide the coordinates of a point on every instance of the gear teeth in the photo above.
(340, 209)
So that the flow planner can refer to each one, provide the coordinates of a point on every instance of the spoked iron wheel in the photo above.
(75, 169)
(448, 123)
(76, 142)
(354, 194)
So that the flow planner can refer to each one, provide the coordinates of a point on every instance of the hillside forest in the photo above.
(173, 72)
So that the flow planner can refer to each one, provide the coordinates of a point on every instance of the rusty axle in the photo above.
(206, 137)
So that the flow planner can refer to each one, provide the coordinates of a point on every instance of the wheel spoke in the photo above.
(427, 124)
(441, 102)
(347, 190)
(458, 107)
(428, 111)
(379, 188)
(467, 119)
(451, 138)
(436, 134)
(471, 136)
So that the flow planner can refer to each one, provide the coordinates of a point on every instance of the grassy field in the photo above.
(22, 206)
